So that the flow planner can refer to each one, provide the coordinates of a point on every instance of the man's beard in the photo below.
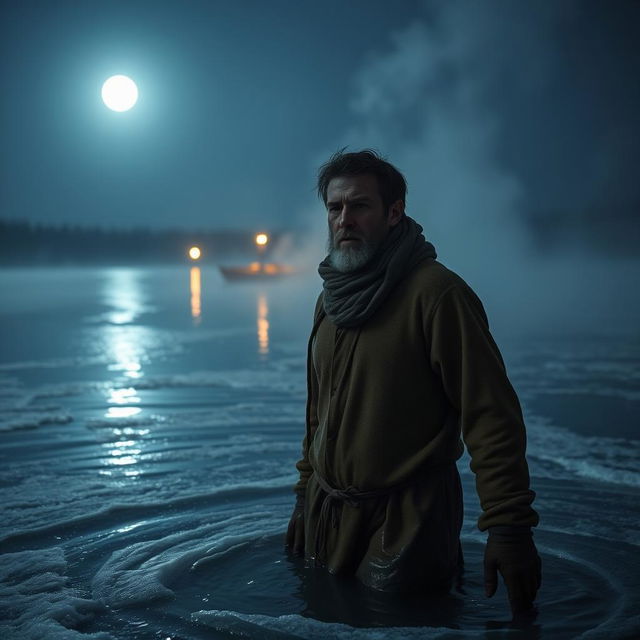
(350, 258)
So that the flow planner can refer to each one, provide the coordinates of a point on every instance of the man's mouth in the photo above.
(348, 239)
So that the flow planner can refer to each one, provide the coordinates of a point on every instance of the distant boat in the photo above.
(258, 271)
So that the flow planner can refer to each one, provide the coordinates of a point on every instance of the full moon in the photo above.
(119, 93)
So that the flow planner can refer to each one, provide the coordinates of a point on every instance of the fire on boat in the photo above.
(257, 271)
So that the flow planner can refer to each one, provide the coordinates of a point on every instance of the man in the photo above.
(400, 365)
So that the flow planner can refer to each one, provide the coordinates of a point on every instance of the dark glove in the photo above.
(511, 551)
(295, 530)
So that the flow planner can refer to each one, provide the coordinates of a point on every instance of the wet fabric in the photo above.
(403, 539)
(388, 402)
(331, 506)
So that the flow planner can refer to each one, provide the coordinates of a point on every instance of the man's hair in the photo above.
(391, 183)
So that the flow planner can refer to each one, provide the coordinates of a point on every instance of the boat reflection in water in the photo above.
(195, 286)
(263, 325)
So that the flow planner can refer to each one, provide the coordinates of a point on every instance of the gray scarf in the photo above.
(350, 299)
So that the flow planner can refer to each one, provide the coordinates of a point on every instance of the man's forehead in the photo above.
(362, 186)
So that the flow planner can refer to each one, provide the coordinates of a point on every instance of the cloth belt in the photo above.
(332, 502)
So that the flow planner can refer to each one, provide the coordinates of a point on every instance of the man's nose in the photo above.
(344, 220)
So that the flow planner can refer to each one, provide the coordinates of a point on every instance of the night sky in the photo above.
(527, 111)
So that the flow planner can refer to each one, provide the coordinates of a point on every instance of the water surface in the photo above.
(150, 420)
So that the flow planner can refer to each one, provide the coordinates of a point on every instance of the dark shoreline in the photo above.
(23, 244)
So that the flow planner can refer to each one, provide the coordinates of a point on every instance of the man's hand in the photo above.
(513, 553)
(295, 531)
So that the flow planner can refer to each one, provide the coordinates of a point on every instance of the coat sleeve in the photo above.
(311, 421)
(474, 378)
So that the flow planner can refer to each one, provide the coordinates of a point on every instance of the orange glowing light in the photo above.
(196, 287)
(195, 253)
(262, 239)
(263, 325)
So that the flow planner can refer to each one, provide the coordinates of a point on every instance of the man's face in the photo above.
(358, 221)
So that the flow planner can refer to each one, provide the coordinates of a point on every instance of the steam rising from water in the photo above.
(424, 105)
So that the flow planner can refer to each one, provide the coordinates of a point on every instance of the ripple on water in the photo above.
(256, 583)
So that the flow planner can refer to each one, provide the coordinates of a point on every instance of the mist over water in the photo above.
(444, 104)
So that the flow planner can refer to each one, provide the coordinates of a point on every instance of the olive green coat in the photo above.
(387, 405)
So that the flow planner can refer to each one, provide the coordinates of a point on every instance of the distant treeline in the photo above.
(23, 243)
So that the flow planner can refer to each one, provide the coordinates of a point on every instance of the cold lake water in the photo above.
(150, 420)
